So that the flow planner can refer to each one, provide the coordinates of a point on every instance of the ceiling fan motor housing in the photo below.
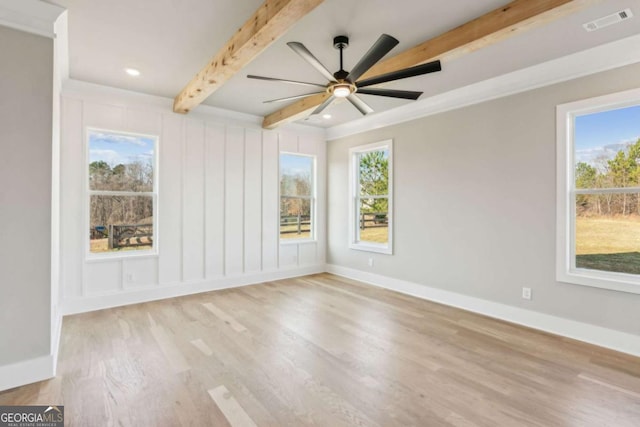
(341, 42)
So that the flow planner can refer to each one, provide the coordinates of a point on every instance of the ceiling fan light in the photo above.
(341, 91)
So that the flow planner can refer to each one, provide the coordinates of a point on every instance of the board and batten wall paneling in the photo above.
(234, 201)
(103, 276)
(217, 203)
(72, 236)
(193, 202)
(139, 272)
(170, 199)
(311, 253)
(270, 202)
(214, 199)
(253, 201)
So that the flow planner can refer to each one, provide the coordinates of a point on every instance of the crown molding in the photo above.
(31, 16)
(94, 92)
(601, 58)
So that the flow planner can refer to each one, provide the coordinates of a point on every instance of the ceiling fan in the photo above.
(345, 84)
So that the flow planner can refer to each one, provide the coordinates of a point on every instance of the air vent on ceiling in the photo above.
(605, 21)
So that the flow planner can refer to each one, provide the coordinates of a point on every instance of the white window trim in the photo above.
(153, 252)
(566, 270)
(353, 191)
(314, 185)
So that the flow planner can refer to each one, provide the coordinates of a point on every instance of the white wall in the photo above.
(26, 85)
(218, 201)
(475, 205)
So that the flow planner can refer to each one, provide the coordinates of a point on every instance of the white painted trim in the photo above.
(60, 72)
(26, 372)
(61, 49)
(84, 91)
(590, 61)
(566, 270)
(157, 292)
(55, 341)
(155, 196)
(312, 197)
(31, 16)
(603, 337)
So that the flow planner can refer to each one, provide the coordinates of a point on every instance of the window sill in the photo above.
(104, 257)
(297, 241)
(372, 247)
(620, 282)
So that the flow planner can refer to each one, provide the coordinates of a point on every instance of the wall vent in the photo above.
(605, 21)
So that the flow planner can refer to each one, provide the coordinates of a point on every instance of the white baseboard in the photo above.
(135, 296)
(26, 372)
(603, 337)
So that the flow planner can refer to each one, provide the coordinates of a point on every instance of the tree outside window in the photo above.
(122, 192)
(297, 196)
(598, 182)
(371, 195)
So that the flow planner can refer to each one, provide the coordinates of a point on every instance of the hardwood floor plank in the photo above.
(610, 386)
(202, 346)
(229, 406)
(168, 347)
(326, 351)
(224, 317)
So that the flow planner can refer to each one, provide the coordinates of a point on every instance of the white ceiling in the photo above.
(169, 41)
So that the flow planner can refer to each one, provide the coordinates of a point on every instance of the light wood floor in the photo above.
(327, 351)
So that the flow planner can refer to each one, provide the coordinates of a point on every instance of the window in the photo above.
(598, 242)
(371, 197)
(297, 197)
(122, 189)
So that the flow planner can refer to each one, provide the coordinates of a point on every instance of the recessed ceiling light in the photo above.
(326, 116)
(132, 72)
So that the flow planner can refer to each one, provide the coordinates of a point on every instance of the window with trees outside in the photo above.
(122, 192)
(297, 196)
(371, 197)
(599, 192)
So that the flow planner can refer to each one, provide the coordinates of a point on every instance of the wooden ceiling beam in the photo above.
(493, 27)
(272, 20)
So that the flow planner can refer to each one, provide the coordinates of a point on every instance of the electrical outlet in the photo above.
(370, 262)
(526, 293)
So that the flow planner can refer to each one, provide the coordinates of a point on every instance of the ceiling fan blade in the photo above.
(324, 105)
(250, 76)
(379, 49)
(301, 50)
(291, 98)
(392, 93)
(418, 70)
(360, 104)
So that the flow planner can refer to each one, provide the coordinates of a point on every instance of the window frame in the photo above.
(566, 270)
(312, 198)
(154, 251)
(354, 198)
